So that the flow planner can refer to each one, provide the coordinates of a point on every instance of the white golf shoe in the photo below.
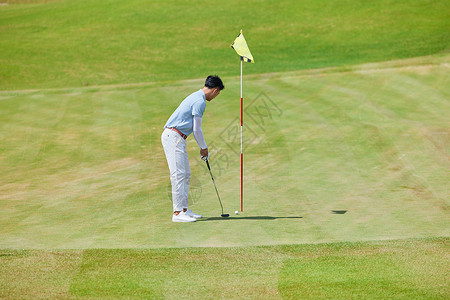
(183, 217)
(193, 214)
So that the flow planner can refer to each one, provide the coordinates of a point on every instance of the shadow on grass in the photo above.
(338, 212)
(246, 218)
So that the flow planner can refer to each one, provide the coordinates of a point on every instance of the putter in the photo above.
(209, 168)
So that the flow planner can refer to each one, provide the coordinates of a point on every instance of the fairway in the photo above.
(68, 43)
(346, 150)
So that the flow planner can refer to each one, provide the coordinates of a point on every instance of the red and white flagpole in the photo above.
(242, 153)
(240, 45)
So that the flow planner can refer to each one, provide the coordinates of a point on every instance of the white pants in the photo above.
(180, 171)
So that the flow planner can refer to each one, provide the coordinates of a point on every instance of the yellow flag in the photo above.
(240, 46)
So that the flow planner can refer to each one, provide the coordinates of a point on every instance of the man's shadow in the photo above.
(246, 218)
(338, 212)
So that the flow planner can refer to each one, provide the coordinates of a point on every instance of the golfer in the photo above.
(186, 119)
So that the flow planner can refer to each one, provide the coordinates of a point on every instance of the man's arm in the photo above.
(198, 135)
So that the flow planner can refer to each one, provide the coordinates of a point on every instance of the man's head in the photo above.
(213, 86)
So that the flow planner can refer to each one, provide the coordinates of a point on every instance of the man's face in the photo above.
(214, 93)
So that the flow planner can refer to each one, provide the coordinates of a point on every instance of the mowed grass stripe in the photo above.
(390, 269)
(363, 275)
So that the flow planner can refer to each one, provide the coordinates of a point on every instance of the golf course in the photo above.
(346, 150)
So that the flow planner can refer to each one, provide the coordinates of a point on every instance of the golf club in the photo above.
(209, 168)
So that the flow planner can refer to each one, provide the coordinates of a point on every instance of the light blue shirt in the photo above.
(183, 117)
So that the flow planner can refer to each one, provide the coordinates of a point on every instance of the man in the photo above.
(186, 119)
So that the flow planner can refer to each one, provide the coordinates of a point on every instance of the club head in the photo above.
(225, 215)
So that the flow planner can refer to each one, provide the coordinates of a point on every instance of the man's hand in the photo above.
(204, 153)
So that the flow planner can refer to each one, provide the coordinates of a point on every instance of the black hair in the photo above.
(213, 81)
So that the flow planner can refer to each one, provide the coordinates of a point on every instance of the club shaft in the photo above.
(217, 192)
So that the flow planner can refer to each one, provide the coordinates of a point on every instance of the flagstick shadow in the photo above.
(246, 218)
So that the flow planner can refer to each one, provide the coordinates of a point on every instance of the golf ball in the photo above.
(236, 212)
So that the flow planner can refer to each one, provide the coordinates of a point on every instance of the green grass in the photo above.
(76, 43)
(84, 168)
(409, 269)
(346, 149)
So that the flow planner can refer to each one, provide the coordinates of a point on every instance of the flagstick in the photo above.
(242, 153)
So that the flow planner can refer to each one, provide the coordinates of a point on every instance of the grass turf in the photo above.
(74, 43)
(407, 269)
(84, 168)
(349, 151)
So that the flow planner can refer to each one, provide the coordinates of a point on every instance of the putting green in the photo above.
(348, 154)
